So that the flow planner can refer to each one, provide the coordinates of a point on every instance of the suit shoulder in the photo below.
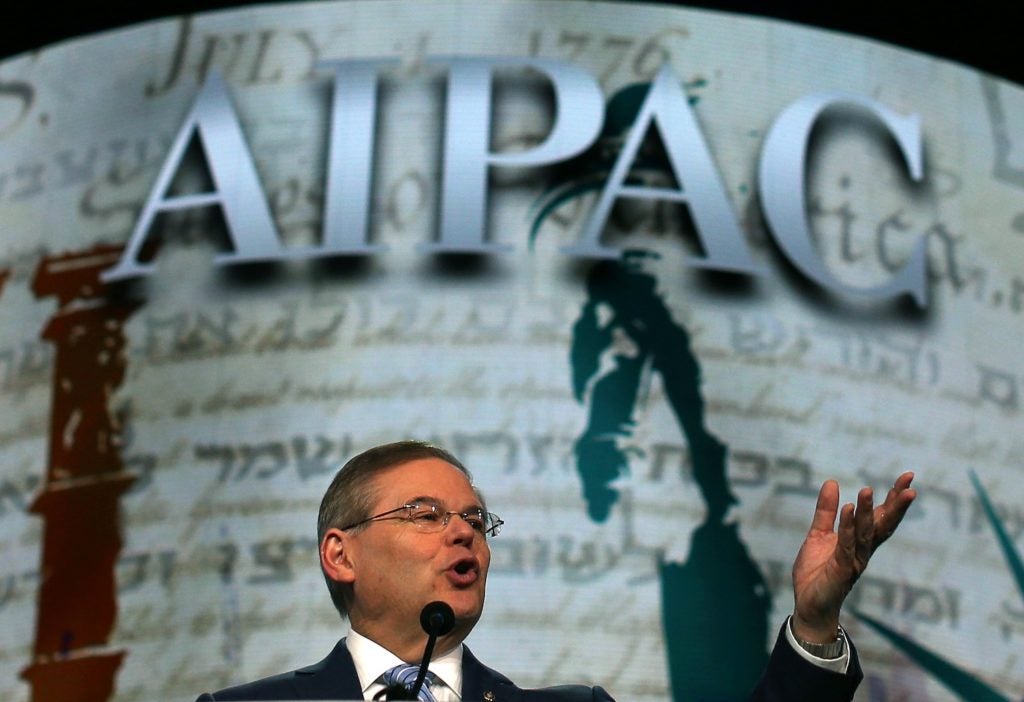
(567, 693)
(478, 679)
(332, 678)
(276, 687)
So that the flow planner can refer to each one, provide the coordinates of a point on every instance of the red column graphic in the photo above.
(85, 478)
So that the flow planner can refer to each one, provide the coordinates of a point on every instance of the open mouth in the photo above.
(463, 572)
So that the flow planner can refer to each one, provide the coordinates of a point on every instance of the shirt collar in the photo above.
(373, 660)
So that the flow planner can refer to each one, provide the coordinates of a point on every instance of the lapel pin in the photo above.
(488, 696)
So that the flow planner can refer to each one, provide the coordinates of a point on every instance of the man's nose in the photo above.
(459, 529)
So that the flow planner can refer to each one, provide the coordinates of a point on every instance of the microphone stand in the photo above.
(428, 651)
(437, 619)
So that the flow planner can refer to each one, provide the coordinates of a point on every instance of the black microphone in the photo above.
(437, 619)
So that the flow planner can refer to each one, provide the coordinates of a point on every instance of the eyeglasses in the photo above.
(431, 517)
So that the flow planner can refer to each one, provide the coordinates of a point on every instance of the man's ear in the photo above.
(335, 558)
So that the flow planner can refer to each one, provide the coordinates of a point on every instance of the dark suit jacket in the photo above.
(788, 678)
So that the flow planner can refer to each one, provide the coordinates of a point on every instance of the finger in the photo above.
(899, 491)
(903, 482)
(826, 508)
(890, 514)
(847, 544)
(864, 525)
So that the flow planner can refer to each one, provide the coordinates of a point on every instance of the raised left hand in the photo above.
(830, 560)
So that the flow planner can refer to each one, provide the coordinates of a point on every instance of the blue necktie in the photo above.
(405, 675)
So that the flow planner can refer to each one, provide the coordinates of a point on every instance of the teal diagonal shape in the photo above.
(1013, 558)
(560, 196)
(962, 683)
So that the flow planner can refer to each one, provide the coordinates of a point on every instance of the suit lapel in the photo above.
(481, 684)
(332, 678)
(335, 678)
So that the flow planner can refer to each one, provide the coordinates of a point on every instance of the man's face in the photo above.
(399, 568)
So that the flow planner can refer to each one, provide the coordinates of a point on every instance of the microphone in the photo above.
(437, 619)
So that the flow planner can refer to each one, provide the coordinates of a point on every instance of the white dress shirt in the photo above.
(373, 660)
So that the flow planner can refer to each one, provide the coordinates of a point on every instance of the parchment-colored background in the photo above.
(243, 399)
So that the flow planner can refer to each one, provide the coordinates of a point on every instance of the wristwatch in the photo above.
(827, 651)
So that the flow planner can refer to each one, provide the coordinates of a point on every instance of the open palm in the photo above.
(830, 560)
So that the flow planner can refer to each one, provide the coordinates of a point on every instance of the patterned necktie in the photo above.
(405, 675)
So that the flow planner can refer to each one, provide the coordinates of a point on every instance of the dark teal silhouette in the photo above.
(639, 313)
(714, 609)
(969, 687)
(715, 606)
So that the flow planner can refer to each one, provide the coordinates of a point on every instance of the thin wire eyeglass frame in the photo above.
(486, 518)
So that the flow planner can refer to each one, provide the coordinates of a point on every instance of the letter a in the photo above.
(236, 187)
(701, 189)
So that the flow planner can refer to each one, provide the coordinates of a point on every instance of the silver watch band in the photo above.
(826, 651)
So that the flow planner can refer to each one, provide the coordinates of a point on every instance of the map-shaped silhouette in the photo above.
(715, 606)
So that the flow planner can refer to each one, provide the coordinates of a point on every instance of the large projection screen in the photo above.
(652, 273)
